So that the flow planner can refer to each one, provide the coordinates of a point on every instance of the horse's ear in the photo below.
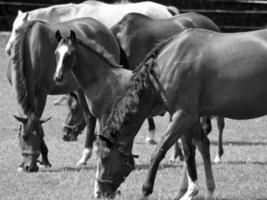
(72, 36)
(21, 119)
(20, 12)
(25, 16)
(58, 36)
(45, 120)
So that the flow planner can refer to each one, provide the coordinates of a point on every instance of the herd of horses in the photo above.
(126, 62)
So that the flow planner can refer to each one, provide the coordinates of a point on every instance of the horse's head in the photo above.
(18, 25)
(65, 55)
(30, 136)
(115, 160)
(114, 164)
(74, 122)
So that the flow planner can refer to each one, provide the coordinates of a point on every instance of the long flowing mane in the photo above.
(18, 62)
(100, 51)
(126, 105)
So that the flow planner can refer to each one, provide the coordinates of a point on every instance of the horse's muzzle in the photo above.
(58, 77)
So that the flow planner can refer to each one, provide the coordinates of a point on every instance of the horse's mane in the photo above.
(18, 61)
(99, 51)
(126, 105)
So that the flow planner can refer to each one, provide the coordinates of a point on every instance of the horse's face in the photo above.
(18, 25)
(65, 56)
(30, 136)
(74, 122)
(113, 166)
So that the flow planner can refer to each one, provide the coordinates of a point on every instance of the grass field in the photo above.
(241, 176)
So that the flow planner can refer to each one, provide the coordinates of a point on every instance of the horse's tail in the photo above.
(19, 81)
(173, 10)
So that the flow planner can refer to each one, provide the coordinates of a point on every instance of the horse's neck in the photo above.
(101, 83)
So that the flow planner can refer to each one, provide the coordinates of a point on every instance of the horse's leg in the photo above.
(189, 185)
(150, 138)
(39, 102)
(220, 124)
(203, 145)
(90, 121)
(206, 124)
(177, 151)
(179, 125)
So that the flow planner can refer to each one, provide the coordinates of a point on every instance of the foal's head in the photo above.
(65, 55)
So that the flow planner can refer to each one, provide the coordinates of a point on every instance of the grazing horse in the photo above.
(199, 72)
(108, 14)
(31, 71)
(138, 35)
(110, 79)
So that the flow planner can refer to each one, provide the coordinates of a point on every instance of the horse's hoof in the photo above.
(180, 194)
(151, 141)
(66, 138)
(81, 164)
(73, 138)
(172, 160)
(217, 160)
(20, 169)
(44, 163)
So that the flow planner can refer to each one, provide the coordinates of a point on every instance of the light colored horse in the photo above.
(108, 14)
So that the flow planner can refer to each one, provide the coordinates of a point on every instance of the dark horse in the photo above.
(198, 73)
(137, 35)
(31, 72)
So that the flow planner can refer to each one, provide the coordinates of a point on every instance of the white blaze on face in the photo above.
(61, 50)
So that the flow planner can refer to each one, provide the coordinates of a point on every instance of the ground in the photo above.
(241, 176)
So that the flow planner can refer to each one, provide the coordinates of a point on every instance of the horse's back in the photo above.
(228, 71)
(89, 28)
(136, 30)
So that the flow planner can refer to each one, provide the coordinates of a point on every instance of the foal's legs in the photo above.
(177, 152)
(180, 124)
(150, 138)
(203, 145)
(90, 133)
(221, 125)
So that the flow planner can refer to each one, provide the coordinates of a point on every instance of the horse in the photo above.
(100, 11)
(137, 34)
(31, 71)
(110, 79)
(199, 72)
(108, 14)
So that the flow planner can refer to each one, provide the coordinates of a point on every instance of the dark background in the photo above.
(230, 15)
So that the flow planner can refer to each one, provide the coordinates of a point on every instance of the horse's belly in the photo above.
(237, 99)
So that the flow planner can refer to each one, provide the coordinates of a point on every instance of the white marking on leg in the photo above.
(183, 183)
(192, 189)
(150, 138)
(87, 153)
(217, 159)
(96, 186)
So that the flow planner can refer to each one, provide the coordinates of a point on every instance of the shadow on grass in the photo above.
(240, 143)
(246, 162)
(216, 198)
(163, 166)
(87, 168)
(67, 169)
